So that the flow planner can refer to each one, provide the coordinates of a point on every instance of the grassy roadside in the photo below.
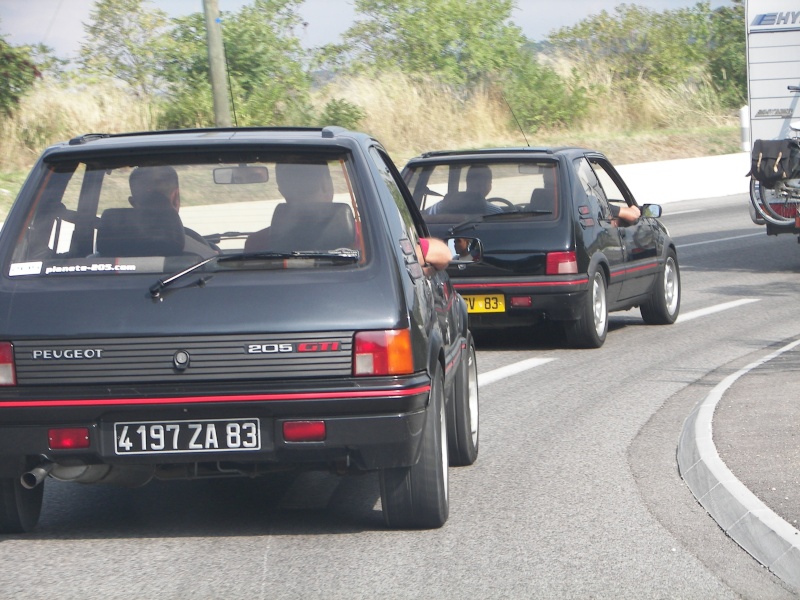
(627, 148)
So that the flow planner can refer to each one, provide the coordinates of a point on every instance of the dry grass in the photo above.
(53, 113)
(410, 117)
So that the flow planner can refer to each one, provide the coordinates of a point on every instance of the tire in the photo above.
(416, 497)
(590, 330)
(19, 507)
(463, 426)
(665, 302)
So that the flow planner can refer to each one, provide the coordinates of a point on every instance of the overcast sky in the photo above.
(57, 23)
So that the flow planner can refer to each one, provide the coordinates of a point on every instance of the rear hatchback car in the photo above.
(220, 302)
(553, 248)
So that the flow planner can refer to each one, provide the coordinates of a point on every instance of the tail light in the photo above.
(561, 263)
(383, 352)
(8, 374)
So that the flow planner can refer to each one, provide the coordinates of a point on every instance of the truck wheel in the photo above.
(665, 302)
(19, 507)
(462, 432)
(416, 497)
(590, 330)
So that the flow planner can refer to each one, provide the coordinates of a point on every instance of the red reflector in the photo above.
(521, 301)
(304, 431)
(8, 375)
(561, 263)
(68, 438)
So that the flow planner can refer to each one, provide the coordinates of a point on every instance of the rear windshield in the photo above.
(114, 215)
(452, 192)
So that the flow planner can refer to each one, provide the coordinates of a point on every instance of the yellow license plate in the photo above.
(485, 303)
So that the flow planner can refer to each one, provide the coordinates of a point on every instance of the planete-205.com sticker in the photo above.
(35, 268)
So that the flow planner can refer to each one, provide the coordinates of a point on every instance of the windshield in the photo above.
(140, 215)
(461, 191)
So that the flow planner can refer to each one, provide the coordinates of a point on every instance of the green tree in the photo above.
(636, 43)
(727, 62)
(459, 41)
(125, 40)
(265, 63)
(17, 74)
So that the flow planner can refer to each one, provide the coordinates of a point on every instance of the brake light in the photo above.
(561, 263)
(383, 352)
(68, 438)
(8, 374)
(304, 431)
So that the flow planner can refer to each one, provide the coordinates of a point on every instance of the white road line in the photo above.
(490, 377)
(727, 239)
(682, 212)
(714, 309)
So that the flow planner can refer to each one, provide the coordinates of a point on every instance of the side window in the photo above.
(591, 186)
(613, 193)
(393, 182)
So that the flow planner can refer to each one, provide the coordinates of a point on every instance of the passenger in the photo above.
(157, 188)
(464, 249)
(433, 252)
(630, 214)
(298, 183)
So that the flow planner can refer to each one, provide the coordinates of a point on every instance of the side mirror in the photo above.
(651, 210)
(464, 250)
(242, 174)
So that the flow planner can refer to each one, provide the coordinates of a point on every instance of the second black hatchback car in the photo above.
(553, 247)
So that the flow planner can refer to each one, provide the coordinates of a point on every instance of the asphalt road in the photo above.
(576, 492)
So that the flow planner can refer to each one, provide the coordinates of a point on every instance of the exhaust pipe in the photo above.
(36, 475)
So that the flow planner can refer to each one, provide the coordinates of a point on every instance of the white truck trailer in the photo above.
(773, 86)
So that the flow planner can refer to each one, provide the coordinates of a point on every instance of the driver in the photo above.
(473, 200)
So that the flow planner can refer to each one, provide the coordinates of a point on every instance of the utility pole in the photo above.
(216, 62)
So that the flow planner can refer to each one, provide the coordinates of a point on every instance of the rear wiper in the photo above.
(474, 221)
(341, 255)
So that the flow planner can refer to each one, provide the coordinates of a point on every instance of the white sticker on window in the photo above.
(27, 268)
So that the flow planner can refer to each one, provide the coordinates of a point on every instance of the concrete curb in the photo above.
(747, 520)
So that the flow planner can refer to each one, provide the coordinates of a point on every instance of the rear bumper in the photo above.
(556, 299)
(372, 428)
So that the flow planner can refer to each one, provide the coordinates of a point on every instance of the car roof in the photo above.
(199, 138)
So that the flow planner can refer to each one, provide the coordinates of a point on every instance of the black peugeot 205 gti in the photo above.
(555, 245)
(204, 303)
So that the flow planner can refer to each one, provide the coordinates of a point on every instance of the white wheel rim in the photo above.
(671, 286)
(599, 305)
(443, 449)
(473, 397)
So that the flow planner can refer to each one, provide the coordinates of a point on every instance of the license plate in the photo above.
(486, 303)
(165, 437)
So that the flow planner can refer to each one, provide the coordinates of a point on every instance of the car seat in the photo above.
(312, 226)
(140, 232)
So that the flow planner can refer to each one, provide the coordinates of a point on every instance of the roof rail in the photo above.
(436, 153)
(88, 137)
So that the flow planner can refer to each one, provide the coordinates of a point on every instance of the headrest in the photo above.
(463, 202)
(312, 226)
(140, 232)
(543, 199)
